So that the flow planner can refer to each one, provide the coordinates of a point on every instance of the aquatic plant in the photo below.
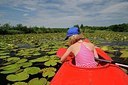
(48, 72)
(18, 77)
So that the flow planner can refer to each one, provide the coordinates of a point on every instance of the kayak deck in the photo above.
(108, 74)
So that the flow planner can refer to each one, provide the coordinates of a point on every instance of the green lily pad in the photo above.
(37, 81)
(105, 48)
(124, 54)
(20, 83)
(10, 71)
(10, 67)
(48, 72)
(41, 59)
(51, 52)
(3, 56)
(21, 61)
(27, 64)
(19, 71)
(36, 53)
(51, 62)
(18, 77)
(28, 52)
(54, 57)
(13, 59)
(23, 52)
(32, 70)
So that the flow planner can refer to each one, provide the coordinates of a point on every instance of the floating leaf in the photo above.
(32, 70)
(10, 71)
(18, 77)
(37, 81)
(2, 57)
(41, 59)
(36, 53)
(23, 52)
(21, 61)
(20, 83)
(11, 77)
(50, 72)
(105, 48)
(124, 54)
(27, 64)
(13, 59)
(10, 67)
(51, 62)
(2, 54)
(28, 52)
(108, 48)
(51, 52)
(19, 71)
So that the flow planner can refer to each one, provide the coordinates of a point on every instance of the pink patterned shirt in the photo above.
(85, 58)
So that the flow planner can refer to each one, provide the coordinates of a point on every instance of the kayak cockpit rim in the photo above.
(98, 67)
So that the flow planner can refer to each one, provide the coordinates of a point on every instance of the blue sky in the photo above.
(63, 13)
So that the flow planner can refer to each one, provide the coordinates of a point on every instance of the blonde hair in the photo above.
(74, 38)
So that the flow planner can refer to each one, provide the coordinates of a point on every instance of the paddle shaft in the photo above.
(113, 62)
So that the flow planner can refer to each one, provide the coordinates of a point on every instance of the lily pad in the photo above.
(124, 54)
(10, 67)
(51, 62)
(28, 52)
(13, 59)
(36, 53)
(48, 72)
(4, 56)
(21, 61)
(41, 59)
(32, 70)
(18, 77)
(105, 48)
(23, 52)
(10, 71)
(51, 52)
(37, 81)
(20, 83)
(27, 64)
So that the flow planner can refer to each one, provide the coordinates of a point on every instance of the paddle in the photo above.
(61, 51)
(113, 62)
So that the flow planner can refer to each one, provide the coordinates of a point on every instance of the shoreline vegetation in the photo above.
(21, 29)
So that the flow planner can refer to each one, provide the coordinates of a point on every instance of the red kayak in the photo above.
(104, 74)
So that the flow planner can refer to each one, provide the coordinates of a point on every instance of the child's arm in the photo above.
(65, 55)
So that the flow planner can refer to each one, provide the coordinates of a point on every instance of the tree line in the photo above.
(116, 28)
(21, 29)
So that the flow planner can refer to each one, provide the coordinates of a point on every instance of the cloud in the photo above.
(25, 14)
(64, 13)
(117, 8)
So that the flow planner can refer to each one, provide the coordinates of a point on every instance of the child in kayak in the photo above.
(84, 52)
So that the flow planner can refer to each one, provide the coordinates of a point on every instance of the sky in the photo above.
(63, 13)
